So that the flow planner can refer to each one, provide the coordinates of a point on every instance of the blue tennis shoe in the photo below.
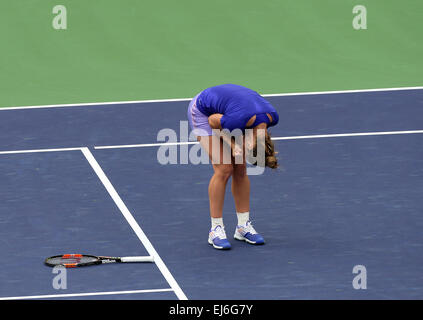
(217, 238)
(248, 234)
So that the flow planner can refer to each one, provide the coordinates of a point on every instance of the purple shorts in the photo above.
(198, 121)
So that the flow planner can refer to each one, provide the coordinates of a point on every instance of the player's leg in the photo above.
(217, 186)
(241, 187)
(241, 193)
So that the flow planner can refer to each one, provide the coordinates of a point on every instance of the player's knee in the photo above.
(224, 171)
(239, 171)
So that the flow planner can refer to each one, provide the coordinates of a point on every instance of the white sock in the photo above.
(243, 217)
(216, 222)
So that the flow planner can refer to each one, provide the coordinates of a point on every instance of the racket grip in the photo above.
(137, 259)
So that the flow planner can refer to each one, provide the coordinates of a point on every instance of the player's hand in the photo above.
(237, 150)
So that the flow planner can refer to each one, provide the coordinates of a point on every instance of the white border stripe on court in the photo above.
(70, 295)
(188, 99)
(39, 150)
(147, 145)
(357, 134)
(144, 145)
(133, 223)
(315, 136)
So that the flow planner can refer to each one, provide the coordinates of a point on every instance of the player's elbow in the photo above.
(214, 121)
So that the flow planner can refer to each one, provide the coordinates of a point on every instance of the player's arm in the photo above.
(214, 121)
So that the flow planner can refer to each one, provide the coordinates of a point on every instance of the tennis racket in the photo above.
(83, 260)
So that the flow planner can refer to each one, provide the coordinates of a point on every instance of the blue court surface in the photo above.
(86, 179)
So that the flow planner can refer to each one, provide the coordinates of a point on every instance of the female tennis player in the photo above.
(232, 107)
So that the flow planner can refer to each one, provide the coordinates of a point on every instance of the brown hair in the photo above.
(270, 154)
(270, 161)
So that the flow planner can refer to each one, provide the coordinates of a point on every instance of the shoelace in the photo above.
(220, 232)
(249, 228)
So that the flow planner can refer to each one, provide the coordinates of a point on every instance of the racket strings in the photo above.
(70, 260)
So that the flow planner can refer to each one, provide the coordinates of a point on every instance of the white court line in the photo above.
(143, 145)
(188, 99)
(340, 91)
(69, 295)
(133, 223)
(147, 145)
(39, 150)
(315, 136)
(358, 134)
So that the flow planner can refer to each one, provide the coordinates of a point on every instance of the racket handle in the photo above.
(137, 259)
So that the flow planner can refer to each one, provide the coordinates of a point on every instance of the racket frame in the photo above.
(98, 260)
